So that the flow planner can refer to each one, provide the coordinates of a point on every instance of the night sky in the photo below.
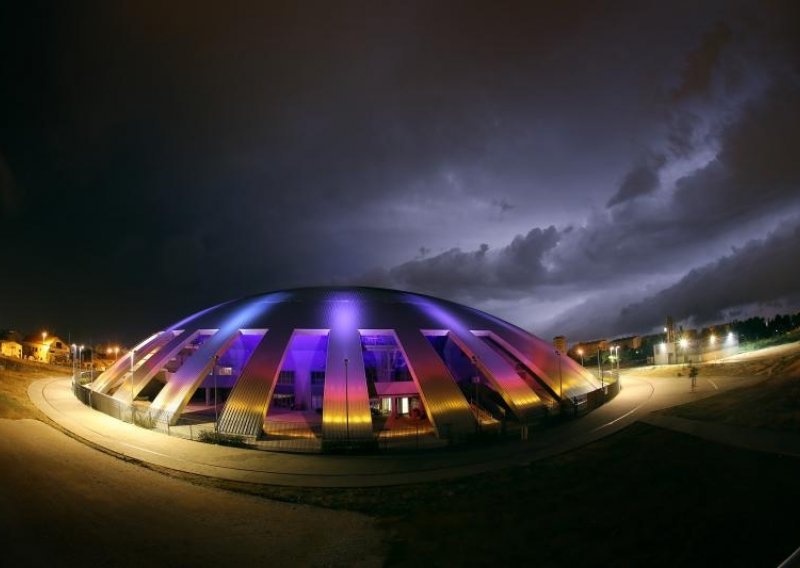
(574, 168)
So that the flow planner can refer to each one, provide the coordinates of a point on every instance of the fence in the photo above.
(303, 437)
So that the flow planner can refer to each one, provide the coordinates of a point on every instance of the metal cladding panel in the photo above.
(145, 372)
(540, 357)
(122, 365)
(445, 404)
(504, 377)
(345, 406)
(172, 399)
(247, 404)
(179, 389)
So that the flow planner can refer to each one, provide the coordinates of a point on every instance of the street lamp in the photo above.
(44, 336)
(80, 361)
(214, 372)
(599, 366)
(132, 408)
(560, 379)
(346, 400)
(580, 352)
(74, 353)
(684, 343)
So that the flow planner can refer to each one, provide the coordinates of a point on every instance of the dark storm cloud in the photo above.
(761, 272)
(748, 179)
(701, 63)
(186, 154)
(476, 274)
(641, 180)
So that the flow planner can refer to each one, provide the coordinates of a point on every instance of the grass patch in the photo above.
(773, 404)
(642, 497)
(14, 381)
(211, 437)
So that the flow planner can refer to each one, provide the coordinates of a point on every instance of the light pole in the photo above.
(214, 372)
(80, 363)
(560, 380)
(74, 353)
(346, 400)
(476, 378)
(599, 366)
(580, 352)
(44, 357)
(132, 408)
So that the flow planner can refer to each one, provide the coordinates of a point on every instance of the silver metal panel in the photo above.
(345, 407)
(122, 365)
(445, 404)
(172, 399)
(143, 373)
(247, 404)
(559, 372)
(504, 377)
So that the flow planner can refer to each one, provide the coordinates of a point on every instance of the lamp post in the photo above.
(580, 352)
(560, 380)
(599, 366)
(132, 407)
(214, 373)
(475, 378)
(80, 362)
(346, 400)
(44, 357)
(74, 353)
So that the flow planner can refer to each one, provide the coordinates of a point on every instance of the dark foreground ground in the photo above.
(643, 497)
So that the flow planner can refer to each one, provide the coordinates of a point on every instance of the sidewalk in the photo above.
(54, 397)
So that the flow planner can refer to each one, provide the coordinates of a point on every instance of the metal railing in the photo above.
(304, 437)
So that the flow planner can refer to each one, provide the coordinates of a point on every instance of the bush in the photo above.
(211, 437)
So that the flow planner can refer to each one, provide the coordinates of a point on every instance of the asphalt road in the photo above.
(63, 503)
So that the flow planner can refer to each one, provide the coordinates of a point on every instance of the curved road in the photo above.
(638, 396)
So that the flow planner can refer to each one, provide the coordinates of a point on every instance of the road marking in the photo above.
(713, 384)
(652, 390)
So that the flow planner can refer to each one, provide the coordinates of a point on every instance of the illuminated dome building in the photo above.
(346, 363)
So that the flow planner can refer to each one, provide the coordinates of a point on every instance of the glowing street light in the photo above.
(712, 339)
(684, 343)
(560, 380)
(74, 353)
(346, 400)
(580, 352)
(615, 350)
(132, 408)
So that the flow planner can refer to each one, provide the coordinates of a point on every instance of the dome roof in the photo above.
(357, 357)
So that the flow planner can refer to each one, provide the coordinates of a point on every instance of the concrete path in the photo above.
(638, 397)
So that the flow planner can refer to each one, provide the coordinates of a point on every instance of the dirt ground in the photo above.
(644, 496)
(63, 503)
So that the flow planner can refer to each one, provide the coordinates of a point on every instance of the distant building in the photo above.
(50, 349)
(560, 343)
(10, 349)
(589, 348)
(694, 348)
(630, 342)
